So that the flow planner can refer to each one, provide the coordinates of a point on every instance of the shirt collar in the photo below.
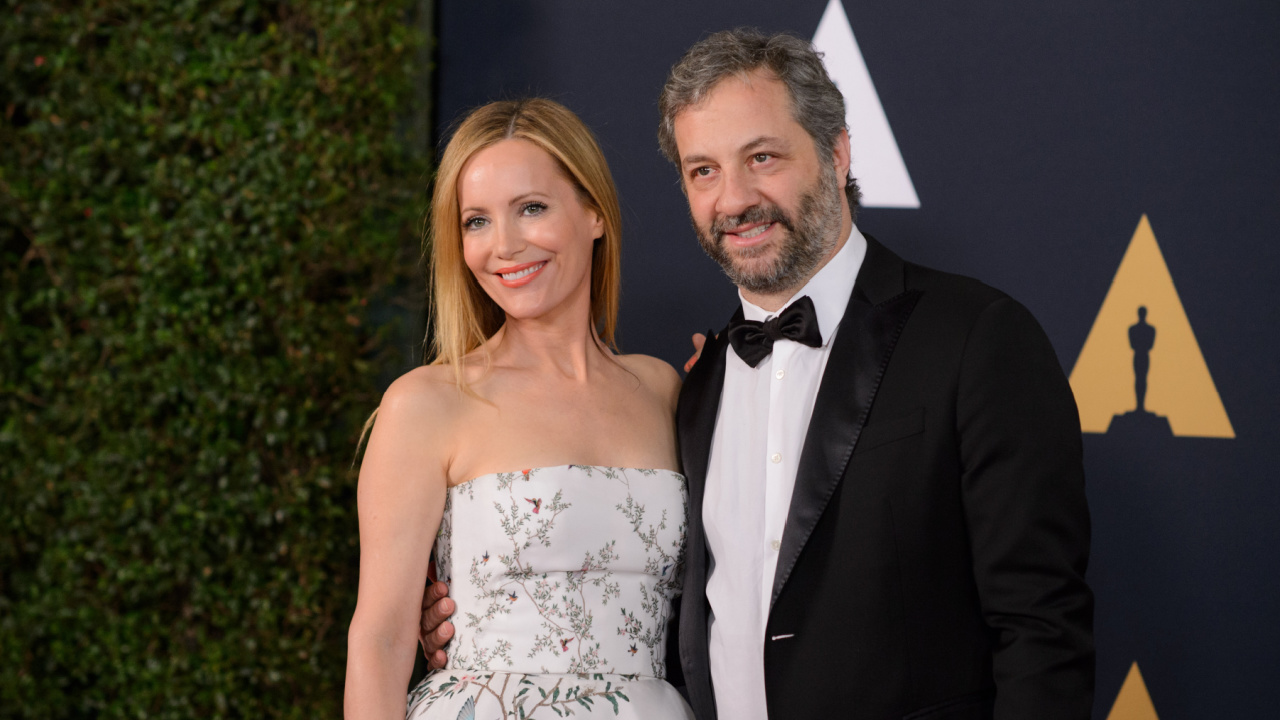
(829, 289)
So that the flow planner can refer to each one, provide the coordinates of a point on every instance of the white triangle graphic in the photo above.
(877, 164)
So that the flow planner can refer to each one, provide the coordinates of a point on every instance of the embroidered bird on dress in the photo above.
(564, 644)
(633, 649)
(468, 710)
(511, 596)
(485, 557)
(536, 503)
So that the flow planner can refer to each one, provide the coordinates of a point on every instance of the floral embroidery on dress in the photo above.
(523, 696)
(547, 554)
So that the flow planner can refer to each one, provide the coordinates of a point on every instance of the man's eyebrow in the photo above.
(762, 141)
(694, 160)
(754, 144)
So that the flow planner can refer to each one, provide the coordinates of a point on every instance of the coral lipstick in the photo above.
(520, 275)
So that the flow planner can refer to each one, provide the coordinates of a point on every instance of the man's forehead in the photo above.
(733, 112)
(756, 78)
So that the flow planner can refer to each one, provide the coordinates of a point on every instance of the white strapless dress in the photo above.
(563, 579)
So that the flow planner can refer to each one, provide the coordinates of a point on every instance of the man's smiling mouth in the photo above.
(753, 232)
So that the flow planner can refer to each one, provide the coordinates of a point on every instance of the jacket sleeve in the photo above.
(1024, 501)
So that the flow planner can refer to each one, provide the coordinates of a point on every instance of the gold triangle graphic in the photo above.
(1178, 385)
(1133, 702)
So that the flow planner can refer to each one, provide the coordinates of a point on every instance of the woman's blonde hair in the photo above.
(464, 316)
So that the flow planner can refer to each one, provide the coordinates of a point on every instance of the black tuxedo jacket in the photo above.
(933, 559)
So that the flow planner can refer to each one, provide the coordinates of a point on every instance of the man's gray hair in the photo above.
(816, 102)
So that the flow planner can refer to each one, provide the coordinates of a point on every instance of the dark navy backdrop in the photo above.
(1036, 136)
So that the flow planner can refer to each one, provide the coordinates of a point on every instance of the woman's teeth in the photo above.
(753, 232)
(523, 273)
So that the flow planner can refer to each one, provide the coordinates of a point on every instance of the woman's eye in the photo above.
(474, 223)
(533, 208)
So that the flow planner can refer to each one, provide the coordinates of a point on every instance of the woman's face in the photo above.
(526, 234)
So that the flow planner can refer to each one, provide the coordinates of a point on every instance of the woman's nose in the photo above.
(510, 241)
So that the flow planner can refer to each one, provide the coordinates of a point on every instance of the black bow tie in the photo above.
(753, 340)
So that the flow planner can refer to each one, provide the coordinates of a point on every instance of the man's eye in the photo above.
(702, 171)
(532, 208)
(474, 223)
(761, 157)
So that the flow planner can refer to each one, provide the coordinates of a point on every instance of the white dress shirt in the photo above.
(760, 430)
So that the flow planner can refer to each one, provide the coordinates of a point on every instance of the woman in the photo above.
(543, 464)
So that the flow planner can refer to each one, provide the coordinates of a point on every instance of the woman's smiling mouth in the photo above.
(520, 274)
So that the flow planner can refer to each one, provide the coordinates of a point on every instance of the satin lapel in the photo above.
(696, 422)
(877, 311)
(696, 413)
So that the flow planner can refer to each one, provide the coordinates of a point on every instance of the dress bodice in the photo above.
(567, 569)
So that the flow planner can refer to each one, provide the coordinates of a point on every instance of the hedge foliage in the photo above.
(200, 203)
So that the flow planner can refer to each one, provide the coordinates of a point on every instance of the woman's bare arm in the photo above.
(400, 499)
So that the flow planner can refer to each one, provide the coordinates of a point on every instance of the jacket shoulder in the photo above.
(959, 291)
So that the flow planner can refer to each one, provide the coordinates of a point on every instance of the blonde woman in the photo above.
(540, 464)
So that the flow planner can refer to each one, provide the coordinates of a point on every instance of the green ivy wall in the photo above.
(200, 204)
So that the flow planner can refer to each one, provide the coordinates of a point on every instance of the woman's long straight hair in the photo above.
(463, 315)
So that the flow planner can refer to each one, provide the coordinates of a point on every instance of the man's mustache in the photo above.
(752, 215)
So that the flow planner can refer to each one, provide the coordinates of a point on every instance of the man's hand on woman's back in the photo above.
(435, 629)
(698, 341)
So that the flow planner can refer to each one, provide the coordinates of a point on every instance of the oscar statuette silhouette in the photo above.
(1140, 421)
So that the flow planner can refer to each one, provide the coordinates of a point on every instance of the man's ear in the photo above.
(841, 156)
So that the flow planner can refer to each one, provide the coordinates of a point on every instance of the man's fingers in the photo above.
(698, 341)
(436, 606)
(433, 631)
(433, 644)
(435, 591)
(436, 660)
(433, 616)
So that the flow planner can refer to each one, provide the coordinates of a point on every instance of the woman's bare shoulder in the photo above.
(426, 397)
(413, 432)
(422, 389)
(655, 374)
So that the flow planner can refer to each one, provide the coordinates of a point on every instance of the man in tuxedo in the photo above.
(887, 509)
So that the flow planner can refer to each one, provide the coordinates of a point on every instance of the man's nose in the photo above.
(737, 193)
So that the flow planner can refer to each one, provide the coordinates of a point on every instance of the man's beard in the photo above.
(810, 237)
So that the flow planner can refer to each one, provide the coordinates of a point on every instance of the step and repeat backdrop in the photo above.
(1114, 166)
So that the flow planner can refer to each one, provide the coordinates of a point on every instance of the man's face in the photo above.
(763, 203)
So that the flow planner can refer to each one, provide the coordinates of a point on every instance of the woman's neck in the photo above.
(562, 342)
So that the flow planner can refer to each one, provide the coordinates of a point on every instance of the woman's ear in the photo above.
(597, 224)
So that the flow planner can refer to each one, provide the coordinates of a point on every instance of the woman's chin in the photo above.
(539, 301)
(527, 309)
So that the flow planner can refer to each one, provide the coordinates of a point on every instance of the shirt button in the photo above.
(780, 374)
(775, 458)
(776, 545)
